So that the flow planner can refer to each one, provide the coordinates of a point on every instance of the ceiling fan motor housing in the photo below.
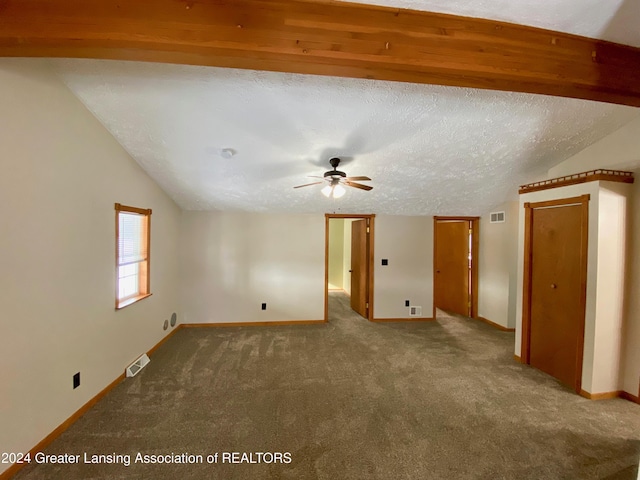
(334, 173)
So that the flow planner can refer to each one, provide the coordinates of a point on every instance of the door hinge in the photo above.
(367, 229)
(367, 305)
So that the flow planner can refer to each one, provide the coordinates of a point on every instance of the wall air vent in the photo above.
(497, 217)
(415, 311)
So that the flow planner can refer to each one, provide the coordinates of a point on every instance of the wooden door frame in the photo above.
(475, 247)
(370, 241)
(525, 346)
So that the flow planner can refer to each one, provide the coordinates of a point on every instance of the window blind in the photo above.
(132, 247)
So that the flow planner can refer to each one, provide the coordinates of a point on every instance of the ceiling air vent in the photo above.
(497, 217)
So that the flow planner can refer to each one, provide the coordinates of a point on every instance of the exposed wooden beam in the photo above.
(325, 38)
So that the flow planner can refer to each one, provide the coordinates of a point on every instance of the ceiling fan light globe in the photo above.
(338, 191)
(326, 191)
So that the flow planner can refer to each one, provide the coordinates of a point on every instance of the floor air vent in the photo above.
(415, 311)
(133, 369)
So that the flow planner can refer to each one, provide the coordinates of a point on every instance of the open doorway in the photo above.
(455, 259)
(349, 261)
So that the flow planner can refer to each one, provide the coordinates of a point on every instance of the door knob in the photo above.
(350, 271)
(553, 285)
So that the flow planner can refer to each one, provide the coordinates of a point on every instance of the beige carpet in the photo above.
(351, 400)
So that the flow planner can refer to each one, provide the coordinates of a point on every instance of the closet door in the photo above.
(557, 279)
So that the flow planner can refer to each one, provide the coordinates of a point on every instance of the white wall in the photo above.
(233, 262)
(336, 253)
(631, 313)
(612, 229)
(407, 242)
(497, 267)
(61, 173)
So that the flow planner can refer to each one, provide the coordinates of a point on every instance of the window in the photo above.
(133, 238)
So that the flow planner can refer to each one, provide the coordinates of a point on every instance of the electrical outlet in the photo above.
(407, 303)
(385, 261)
(264, 306)
(76, 380)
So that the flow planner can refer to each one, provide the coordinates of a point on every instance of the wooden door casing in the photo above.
(554, 297)
(359, 276)
(370, 221)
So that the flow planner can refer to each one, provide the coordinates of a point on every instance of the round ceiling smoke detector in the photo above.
(227, 153)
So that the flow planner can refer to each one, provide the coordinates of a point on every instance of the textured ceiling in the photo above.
(612, 20)
(429, 149)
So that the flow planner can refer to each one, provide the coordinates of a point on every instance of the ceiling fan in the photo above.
(335, 179)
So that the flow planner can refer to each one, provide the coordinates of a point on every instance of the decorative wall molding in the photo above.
(590, 176)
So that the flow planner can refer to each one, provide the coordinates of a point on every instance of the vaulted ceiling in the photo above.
(428, 149)
(611, 20)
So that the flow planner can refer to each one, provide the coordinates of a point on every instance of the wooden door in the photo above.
(359, 267)
(557, 309)
(452, 268)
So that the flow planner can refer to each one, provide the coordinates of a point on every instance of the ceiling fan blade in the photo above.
(357, 178)
(316, 176)
(308, 184)
(359, 185)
